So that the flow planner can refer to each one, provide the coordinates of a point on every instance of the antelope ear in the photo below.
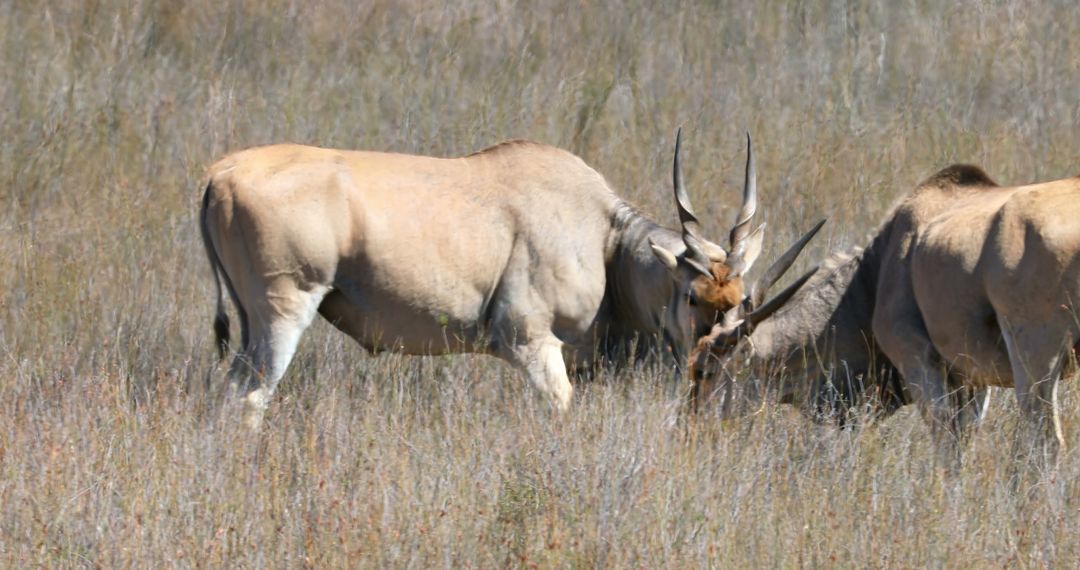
(745, 259)
(666, 257)
(753, 247)
(713, 251)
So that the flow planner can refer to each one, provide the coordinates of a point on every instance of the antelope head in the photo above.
(708, 278)
(729, 344)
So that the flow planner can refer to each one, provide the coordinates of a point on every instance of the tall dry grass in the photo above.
(112, 108)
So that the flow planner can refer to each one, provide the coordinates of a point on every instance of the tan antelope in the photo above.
(968, 285)
(521, 251)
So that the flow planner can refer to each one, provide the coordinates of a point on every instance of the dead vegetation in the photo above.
(113, 108)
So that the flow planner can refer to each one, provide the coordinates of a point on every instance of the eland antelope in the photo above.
(521, 251)
(968, 285)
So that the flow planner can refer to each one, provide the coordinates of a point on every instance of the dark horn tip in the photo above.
(817, 227)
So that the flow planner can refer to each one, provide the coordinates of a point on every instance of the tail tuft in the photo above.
(221, 333)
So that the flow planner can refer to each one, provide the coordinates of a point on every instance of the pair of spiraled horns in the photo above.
(745, 245)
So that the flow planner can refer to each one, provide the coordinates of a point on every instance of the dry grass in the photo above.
(112, 108)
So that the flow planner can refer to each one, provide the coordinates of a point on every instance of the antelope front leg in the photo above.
(1036, 367)
(543, 364)
(901, 332)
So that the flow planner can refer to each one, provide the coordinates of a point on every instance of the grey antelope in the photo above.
(967, 285)
(520, 250)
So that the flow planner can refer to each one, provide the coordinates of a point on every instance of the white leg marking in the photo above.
(274, 344)
(546, 370)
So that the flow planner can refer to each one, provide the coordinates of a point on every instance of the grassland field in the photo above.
(112, 109)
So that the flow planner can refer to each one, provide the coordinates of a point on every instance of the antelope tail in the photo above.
(221, 318)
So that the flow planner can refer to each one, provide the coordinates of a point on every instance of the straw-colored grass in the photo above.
(113, 108)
